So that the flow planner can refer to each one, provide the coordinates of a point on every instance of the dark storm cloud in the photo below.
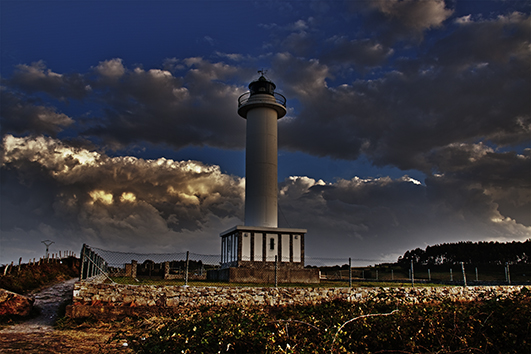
(155, 106)
(503, 177)
(38, 78)
(360, 53)
(377, 217)
(423, 105)
(135, 105)
(20, 115)
(407, 20)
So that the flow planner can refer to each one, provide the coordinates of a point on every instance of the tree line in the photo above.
(478, 253)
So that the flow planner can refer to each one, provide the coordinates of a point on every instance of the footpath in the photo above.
(47, 302)
(38, 335)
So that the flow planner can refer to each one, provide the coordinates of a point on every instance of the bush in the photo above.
(33, 277)
(493, 326)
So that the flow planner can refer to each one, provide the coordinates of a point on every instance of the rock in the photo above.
(14, 304)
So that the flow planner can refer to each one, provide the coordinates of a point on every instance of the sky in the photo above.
(408, 124)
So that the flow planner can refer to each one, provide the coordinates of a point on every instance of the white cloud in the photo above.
(112, 68)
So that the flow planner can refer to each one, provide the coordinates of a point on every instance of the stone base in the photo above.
(264, 276)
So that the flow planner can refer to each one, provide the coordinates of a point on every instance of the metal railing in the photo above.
(280, 99)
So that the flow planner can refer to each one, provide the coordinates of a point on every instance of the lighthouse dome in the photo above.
(262, 85)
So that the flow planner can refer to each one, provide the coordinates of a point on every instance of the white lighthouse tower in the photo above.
(260, 251)
(262, 107)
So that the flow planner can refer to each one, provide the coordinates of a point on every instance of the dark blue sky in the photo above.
(408, 122)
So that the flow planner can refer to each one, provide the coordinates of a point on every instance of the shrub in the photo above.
(491, 326)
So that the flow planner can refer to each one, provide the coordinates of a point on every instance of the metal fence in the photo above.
(187, 268)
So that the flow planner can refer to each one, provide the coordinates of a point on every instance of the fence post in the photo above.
(392, 274)
(412, 275)
(476, 273)
(429, 274)
(464, 274)
(82, 262)
(451, 275)
(349, 272)
(186, 269)
(508, 273)
(134, 268)
(166, 270)
(276, 271)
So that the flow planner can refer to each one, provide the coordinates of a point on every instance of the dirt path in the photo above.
(47, 302)
(37, 335)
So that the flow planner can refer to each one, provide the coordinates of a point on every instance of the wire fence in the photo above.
(187, 268)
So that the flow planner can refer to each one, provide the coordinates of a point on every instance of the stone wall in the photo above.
(116, 300)
(286, 275)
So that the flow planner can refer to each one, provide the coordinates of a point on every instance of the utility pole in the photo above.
(47, 243)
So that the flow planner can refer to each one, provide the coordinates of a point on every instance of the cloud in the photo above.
(110, 69)
(427, 103)
(120, 198)
(486, 42)
(37, 78)
(405, 20)
(53, 189)
(362, 54)
(455, 107)
(162, 108)
(377, 216)
(417, 15)
(20, 115)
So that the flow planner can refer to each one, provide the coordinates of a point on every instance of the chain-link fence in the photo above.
(186, 268)
(148, 268)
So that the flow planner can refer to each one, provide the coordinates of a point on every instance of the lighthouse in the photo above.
(259, 251)
(262, 107)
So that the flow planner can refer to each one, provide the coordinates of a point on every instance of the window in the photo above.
(271, 243)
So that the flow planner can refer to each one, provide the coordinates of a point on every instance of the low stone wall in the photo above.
(115, 300)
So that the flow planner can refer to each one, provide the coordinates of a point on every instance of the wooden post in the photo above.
(186, 271)
(412, 275)
(276, 271)
(464, 274)
(349, 272)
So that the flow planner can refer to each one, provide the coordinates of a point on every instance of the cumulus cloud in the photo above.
(114, 198)
(110, 69)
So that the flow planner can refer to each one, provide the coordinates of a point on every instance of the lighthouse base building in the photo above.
(260, 252)
(251, 254)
